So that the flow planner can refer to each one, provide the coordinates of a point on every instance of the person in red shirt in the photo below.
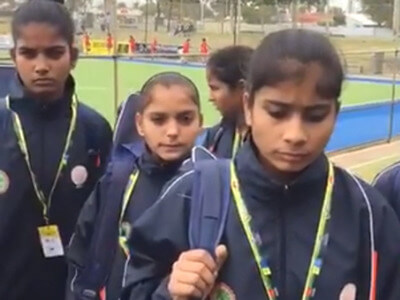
(186, 46)
(109, 43)
(204, 48)
(132, 44)
(86, 43)
(153, 46)
(185, 50)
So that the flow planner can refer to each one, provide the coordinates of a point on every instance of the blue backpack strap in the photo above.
(125, 128)
(95, 273)
(3, 105)
(202, 138)
(210, 203)
(3, 112)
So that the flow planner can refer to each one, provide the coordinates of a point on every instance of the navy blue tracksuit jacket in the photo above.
(388, 183)
(287, 218)
(152, 177)
(24, 271)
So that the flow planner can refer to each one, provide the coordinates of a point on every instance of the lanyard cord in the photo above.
(19, 132)
(320, 243)
(125, 201)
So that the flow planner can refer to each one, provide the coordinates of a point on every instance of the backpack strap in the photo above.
(4, 112)
(125, 128)
(210, 203)
(3, 105)
(202, 138)
(95, 273)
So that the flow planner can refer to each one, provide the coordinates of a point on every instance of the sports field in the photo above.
(95, 78)
(95, 83)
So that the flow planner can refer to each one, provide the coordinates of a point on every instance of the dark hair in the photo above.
(269, 64)
(230, 64)
(44, 11)
(168, 79)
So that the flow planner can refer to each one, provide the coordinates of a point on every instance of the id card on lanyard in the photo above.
(49, 234)
(320, 243)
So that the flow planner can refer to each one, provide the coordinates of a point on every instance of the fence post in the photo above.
(295, 7)
(146, 22)
(393, 100)
(115, 67)
(235, 20)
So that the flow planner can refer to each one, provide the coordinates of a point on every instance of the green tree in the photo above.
(381, 11)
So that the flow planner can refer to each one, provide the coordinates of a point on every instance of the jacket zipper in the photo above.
(282, 254)
(43, 155)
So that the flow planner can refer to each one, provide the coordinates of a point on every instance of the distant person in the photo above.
(86, 43)
(53, 149)
(204, 49)
(185, 50)
(186, 46)
(132, 45)
(154, 46)
(110, 44)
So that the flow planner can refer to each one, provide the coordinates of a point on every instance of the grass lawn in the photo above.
(95, 79)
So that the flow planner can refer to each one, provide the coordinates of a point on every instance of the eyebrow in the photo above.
(285, 104)
(178, 113)
(54, 47)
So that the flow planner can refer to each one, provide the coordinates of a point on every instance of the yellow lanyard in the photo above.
(125, 201)
(128, 193)
(237, 141)
(19, 132)
(320, 243)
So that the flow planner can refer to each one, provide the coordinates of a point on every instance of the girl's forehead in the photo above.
(170, 105)
(293, 92)
(170, 99)
(39, 34)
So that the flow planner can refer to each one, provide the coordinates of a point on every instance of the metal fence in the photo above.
(370, 94)
(370, 102)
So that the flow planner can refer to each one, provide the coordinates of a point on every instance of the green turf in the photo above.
(95, 80)
(95, 84)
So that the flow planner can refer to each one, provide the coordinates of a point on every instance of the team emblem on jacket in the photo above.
(79, 176)
(222, 292)
(4, 182)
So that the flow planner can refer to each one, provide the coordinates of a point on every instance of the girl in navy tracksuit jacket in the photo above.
(53, 150)
(297, 226)
(226, 72)
(169, 121)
